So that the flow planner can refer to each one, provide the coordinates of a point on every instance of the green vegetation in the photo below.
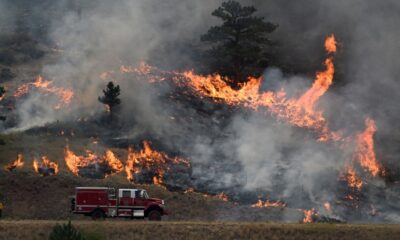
(238, 45)
(69, 232)
(122, 230)
(65, 232)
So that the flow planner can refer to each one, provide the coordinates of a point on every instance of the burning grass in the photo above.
(91, 164)
(45, 167)
(46, 87)
(152, 163)
(19, 162)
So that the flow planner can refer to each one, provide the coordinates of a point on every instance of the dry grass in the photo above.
(203, 230)
(30, 196)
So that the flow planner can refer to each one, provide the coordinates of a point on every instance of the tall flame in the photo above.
(365, 153)
(364, 156)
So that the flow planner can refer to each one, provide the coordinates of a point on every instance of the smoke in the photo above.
(263, 153)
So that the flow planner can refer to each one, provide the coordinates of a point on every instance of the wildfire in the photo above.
(300, 112)
(330, 44)
(222, 196)
(365, 153)
(46, 167)
(328, 207)
(142, 69)
(106, 75)
(268, 204)
(309, 215)
(75, 162)
(353, 180)
(65, 95)
(19, 162)
(189, 190)
(150, 160)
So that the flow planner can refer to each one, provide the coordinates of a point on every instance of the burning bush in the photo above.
(46, 167)
(150, 166)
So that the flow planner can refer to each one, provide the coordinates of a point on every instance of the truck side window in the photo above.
(126, 194)
(137, 194)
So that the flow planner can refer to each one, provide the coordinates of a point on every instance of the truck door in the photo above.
(126, 198)
(140, 200)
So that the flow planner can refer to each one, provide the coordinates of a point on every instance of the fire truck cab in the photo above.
(101, 202)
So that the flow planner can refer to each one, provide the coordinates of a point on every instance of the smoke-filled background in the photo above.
(229, 148)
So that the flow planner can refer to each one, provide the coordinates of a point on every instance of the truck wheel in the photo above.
(98, 215)
(154, 215)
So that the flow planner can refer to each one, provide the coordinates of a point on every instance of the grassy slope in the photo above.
(203, 230)
(30, 196)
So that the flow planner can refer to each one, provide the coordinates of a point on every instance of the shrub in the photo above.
(65, 232)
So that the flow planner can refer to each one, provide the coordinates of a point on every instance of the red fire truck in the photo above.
(101, 202)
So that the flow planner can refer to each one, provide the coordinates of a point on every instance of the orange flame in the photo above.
(19, 162)
(309, 215)
(112, 161)
(65, 95)
(328, 207)
(268, 204)
(189, 190)
(222, 196)
(45, 164)
(75, 162)
(353, 180)
(299, 112)
(322, 83)
(365, 153)
(149, 159)
(330, 44)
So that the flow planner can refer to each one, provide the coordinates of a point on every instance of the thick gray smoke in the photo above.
(262, 153)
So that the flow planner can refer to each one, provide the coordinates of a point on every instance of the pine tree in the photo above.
(110, 98)
(238, 46)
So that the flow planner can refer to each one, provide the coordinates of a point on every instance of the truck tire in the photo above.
(98, 214)
(154, 215)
